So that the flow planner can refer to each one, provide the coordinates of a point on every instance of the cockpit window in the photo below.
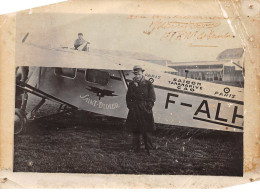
(65, 72)
(97, 76)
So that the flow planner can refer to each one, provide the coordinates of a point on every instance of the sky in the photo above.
(119, 32)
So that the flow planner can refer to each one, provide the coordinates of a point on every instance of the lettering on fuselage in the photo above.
(225, 93)
(186, 85)
(204, 109)
(99, 104)
(152, 76)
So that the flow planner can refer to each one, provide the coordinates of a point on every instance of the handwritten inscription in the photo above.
(171, 24)
(186, 30)
(173, 29)
(99, 104)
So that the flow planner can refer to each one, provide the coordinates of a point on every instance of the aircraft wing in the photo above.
(237, 66)
(30, 54)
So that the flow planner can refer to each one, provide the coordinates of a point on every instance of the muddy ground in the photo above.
(78, 143)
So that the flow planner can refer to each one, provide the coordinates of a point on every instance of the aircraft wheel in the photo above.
(19, 122)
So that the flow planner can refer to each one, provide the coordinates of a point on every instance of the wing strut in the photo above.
(39, 93)
(122, 75)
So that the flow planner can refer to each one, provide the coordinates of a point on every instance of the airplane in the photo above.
(87, 81)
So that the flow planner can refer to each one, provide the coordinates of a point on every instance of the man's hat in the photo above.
(137, 68)
(80, 33)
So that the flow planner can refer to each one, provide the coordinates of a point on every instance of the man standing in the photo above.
(140, 99)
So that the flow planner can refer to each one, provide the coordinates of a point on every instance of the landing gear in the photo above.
(19, 122)
(22, 118)
(31, 115)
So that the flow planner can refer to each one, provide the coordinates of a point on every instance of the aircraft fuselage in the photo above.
(179, 101)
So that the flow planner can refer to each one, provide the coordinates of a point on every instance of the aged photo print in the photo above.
(128, 94)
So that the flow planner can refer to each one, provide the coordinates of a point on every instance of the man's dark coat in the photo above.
(140, 99)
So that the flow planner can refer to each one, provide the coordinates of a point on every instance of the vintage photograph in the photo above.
(128, 94)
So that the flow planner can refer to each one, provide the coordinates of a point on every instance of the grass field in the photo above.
(65, 144)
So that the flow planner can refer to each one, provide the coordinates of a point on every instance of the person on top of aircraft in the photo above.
(80, 41)
(140, 100)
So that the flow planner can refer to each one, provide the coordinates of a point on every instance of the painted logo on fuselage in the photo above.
(101, 92)
(99, 104)
(186, 85)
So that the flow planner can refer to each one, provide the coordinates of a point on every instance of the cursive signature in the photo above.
(171, 28)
